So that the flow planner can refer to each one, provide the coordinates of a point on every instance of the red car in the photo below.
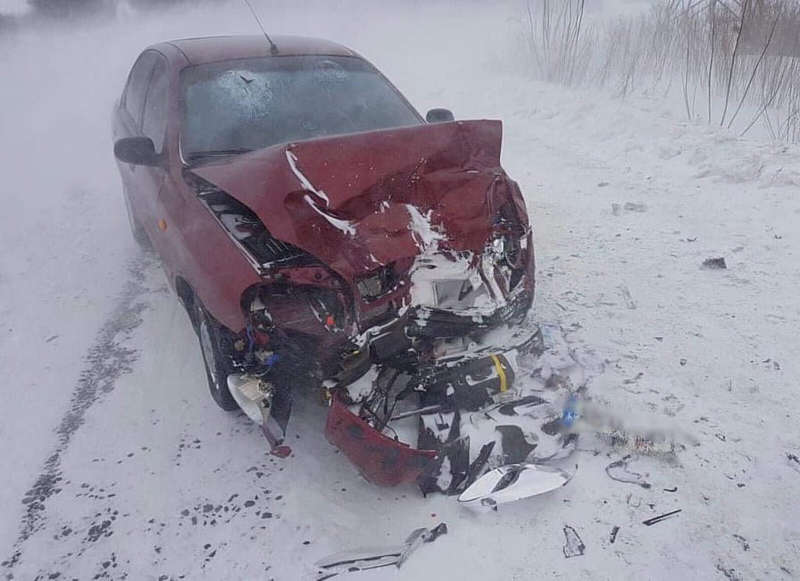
(322, 234)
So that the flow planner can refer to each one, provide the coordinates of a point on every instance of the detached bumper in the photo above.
(380, 459)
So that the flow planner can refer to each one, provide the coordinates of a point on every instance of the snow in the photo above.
(157, 481)
(421, 227)
(307, 185)
(342, 225)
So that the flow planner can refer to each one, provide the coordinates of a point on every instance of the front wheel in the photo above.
(216, 349)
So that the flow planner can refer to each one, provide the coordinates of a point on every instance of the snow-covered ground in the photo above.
(118, 464)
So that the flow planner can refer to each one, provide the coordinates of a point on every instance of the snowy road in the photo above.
(124, 468)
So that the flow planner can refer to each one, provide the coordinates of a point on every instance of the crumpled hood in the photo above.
(361, 201)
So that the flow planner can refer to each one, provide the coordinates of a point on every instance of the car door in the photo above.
(156, 195)
(128, 123)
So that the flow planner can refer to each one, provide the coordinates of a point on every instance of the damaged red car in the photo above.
(323, 235)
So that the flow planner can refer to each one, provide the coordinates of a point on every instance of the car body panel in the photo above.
(357, 216)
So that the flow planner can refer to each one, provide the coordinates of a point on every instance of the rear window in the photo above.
(254, 103)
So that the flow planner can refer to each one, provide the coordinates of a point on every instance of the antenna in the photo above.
(273, 48)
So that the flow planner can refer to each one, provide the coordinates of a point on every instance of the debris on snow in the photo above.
(635, 207)
(619, 471)
(626, 295)
(657, 519)
(743, 542)
(614, 532)
(513, 482)
(374, 558)
(573, 545)
(714, 264)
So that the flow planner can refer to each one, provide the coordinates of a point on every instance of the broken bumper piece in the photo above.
(513, 482)
(372, 422)
(379, 458)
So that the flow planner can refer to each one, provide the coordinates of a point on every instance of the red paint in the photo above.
(380, 459)
(450, 169)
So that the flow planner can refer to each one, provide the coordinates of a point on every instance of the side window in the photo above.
(154, 122)
(137, 86)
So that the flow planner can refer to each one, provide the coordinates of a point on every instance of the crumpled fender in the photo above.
(346, 199)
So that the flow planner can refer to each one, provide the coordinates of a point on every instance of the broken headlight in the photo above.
(377, 283)
(507, 250)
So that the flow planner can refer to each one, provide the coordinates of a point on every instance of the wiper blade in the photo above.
(200, 155)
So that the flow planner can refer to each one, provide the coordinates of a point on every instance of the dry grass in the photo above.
(735, 62)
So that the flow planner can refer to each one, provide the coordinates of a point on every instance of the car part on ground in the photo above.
(513, 482)
(375, 558)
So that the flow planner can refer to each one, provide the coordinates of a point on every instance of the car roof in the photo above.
(220, 48)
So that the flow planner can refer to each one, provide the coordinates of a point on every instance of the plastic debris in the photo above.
(714, 264)
(657, 519)
(614, 533)
(513, 482)
(573, 545)
(374, 558)
(619, 471)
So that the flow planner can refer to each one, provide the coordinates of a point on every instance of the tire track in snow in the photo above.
(107, 359)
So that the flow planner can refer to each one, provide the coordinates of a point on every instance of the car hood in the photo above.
(358, 202)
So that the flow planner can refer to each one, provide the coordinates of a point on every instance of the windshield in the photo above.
(247, 104)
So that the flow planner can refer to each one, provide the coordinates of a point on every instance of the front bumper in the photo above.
(465, 381)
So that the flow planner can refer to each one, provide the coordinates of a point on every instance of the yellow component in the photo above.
(501, 373)
(162, 224)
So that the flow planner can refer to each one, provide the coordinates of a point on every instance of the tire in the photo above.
(139, 234)
(216, 348)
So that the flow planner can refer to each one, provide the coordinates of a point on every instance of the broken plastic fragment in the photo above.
(573, 545)
(513, 482)
(657, 519)
(374, 558)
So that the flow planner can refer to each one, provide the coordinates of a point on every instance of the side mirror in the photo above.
(137, 150)
(439, 116)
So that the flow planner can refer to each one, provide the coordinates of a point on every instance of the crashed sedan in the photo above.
(322, 235)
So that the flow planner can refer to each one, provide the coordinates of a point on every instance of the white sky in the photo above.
(13, 6)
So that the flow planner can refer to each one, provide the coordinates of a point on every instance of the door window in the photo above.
(136, 88)
(154, 122)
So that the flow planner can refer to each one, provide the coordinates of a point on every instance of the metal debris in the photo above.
(366, 559)
(657, 519)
